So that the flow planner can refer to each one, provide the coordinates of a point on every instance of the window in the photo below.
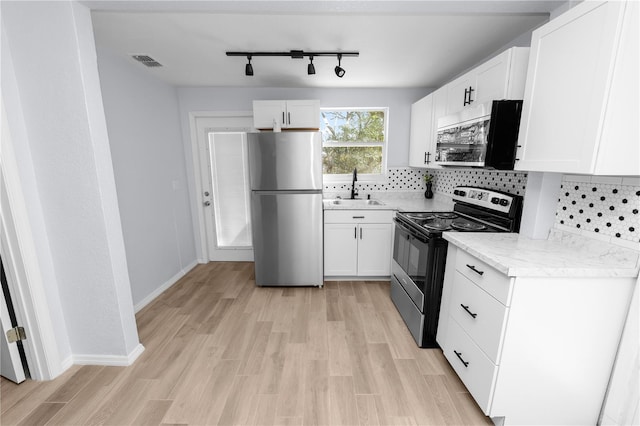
(230, 183)
(353, 138)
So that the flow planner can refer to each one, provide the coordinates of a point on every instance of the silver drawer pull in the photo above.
(459, 355)
(466, 308)
(473, 268)
(358, 217)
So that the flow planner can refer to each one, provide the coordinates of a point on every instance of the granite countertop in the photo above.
(401, 201)
(561, 255)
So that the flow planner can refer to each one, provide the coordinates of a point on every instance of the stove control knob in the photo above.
(462, 193)
(456, 192)
(504, 202)
(495, 200)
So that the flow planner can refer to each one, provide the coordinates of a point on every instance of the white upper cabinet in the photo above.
(424, 120)
(420, 131)
(298, 114)
(501, 77)
(580, 111)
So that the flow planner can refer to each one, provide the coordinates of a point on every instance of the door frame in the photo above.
(198, 126)
(12, 368)
(21, 266)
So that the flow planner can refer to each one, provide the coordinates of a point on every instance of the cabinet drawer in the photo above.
(479, 314)
(479, 373)
(486, 277)
(358, 216)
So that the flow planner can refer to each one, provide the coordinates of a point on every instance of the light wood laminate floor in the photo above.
(220, 350)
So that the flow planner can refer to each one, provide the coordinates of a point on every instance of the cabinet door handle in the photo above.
(473, 268)
(360, 233)
(466, 308)
(426, 157)
(289, 117)
(466, 93)
(471, 90)
(355, 232)
(459, 355)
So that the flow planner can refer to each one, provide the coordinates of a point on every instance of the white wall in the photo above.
(56, 110)
(143, 121)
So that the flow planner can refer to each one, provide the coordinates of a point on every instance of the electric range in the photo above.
(420, 251)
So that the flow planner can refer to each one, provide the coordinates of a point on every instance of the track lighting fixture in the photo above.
(248, 69)
(296, 54)
(339, 70)
(310, 68)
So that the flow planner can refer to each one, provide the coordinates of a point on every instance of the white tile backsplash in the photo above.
(600, 206)
(445, 180)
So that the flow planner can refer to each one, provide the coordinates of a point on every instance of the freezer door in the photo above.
(285, 161)
(287, 238)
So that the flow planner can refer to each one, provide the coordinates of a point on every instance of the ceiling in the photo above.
(401, 43)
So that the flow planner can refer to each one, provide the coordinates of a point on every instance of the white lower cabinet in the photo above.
(357, 243)
(340, 249)
(531, 350)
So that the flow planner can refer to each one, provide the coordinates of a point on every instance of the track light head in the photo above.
(310, 68)
(248, 69)
(339, 70)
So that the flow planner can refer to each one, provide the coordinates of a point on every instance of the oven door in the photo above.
(410, 262)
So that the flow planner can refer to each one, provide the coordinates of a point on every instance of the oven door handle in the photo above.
(415, 234)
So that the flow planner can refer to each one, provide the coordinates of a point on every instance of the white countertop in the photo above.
(401, 201)
(562, 255)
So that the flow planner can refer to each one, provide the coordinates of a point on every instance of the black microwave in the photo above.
(482, 136)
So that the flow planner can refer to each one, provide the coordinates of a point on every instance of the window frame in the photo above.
(362, 177)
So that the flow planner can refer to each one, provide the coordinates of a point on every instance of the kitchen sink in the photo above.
(355, 203)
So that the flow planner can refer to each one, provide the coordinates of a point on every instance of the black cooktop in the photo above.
(434, 223)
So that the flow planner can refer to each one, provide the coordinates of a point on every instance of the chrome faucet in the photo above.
(353, 184)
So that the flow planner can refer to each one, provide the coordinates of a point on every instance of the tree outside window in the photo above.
(353, 138)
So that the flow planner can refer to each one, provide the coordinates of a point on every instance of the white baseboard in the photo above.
(66, 364)
(112, 360)
(171, 281)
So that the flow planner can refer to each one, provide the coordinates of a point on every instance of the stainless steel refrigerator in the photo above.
(285, 170)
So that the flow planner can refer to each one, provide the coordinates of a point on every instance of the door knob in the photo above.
(207, 203)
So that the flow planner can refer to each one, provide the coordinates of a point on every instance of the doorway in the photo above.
(222, 184)
(13, 361)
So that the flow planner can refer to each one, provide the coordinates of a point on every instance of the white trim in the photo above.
(67, 362)
(167, 284)
(20, 258)
(110, 360)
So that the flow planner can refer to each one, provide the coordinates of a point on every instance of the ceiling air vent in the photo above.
(146, 60)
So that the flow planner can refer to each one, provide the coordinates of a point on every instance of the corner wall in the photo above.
(143, 122)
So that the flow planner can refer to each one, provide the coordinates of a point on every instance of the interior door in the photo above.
(10, 360)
